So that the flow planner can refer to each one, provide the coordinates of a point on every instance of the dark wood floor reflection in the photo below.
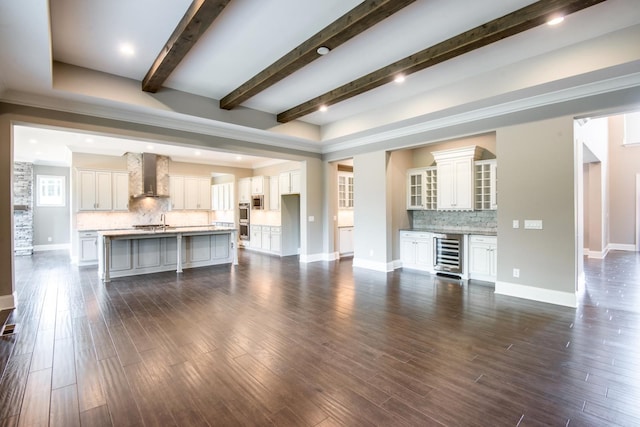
(276, 342)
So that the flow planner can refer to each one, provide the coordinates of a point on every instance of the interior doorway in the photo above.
(345, 204)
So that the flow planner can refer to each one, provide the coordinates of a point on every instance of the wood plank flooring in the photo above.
(275, 342)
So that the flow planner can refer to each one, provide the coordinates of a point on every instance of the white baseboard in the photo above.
(396, 263)
(622, 247)
(318, 257)
(8, 301)
(333, 256)
(597, 254)
(58, 247)
(384, 267)
(567, 299)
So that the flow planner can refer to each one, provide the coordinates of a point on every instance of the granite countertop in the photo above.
(456, 230)
(166, 231)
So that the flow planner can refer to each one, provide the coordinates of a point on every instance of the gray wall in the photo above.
(52, 221)
(370, 210)
(6, 215)
(537, 182)
(312, 209)
(397, 164)
(625, 164)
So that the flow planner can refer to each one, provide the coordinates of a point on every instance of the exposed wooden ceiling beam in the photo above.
(516, 22)
(193, 24)
(359, 19)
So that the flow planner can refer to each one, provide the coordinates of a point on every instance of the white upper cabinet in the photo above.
(244, 190)
(222, 197)
(176, 192)
(486, 179)
(258, 185)
(455, 173)
(120, 191)
(290, 182)
(274, 193)
(422, 192)
(345, 190)
(94, 190)
(190, 192)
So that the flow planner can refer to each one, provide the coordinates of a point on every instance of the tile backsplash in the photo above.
(442, 219)
(141, 212)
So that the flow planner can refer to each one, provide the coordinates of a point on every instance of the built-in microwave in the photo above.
(257, 202)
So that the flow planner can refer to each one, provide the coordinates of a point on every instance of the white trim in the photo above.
(164, 119)
(8, 301)
(396, 263)
(57, 247)
(316, 257)
(622, 247)
(597, 254)
(384, 267)
(333, 256)
(637, 212)
(563, 95)
(567, 299)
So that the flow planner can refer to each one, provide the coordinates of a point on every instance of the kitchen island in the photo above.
(132, 252)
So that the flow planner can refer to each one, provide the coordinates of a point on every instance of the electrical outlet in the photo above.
(516, 272)
(49, 239)
(371, 252)
(516, 223)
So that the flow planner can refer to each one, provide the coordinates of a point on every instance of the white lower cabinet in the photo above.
(87, 247)
(483, 257)
(416, 250)
(276, 240)
(265, 238)
(255, 241)
(345, 244)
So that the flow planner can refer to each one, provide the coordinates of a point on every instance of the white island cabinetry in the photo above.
(133, 252)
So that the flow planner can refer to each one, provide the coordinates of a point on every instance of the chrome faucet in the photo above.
(163, 219)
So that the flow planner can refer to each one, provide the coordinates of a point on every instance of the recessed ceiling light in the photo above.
(322, 50)
(197, 152)
(127, 49)
(399, 78)
(33, 141)
(38, 153)
(323, 108)
(149, 147)
(238, 157)
(556, 20)
(89, 140)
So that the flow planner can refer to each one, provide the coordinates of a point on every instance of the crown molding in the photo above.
(440, 119)
(162, 119)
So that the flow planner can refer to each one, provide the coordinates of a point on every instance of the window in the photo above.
(50, 190)
(632, 128)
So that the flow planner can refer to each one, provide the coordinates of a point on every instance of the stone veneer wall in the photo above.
(454, 219)
(23, 219)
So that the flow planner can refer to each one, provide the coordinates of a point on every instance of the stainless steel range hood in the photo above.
(149, 177)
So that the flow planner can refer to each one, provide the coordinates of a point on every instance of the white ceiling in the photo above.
(249, 35)
(48, 146)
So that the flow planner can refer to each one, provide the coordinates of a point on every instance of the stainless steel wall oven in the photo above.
(244, 209)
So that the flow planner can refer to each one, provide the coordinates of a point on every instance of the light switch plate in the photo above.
(516, 223)
(533, 224)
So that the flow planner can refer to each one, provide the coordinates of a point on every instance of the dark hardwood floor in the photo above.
(275, 342)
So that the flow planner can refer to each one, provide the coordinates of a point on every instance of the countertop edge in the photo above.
(466, 230)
